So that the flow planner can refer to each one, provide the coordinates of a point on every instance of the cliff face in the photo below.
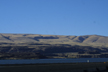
(52, 46)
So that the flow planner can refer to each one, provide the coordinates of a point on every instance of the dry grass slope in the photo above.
(87, 40)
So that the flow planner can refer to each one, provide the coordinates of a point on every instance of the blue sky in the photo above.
(54, 17)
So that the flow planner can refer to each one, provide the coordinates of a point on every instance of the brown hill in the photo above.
(26, 39)
(25, 46)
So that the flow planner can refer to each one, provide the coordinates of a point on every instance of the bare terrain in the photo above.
(18, 46)
(26, 39)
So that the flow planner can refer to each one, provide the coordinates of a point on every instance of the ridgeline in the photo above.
(35, 46)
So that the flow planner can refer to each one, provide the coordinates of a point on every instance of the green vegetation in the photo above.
(48, 51)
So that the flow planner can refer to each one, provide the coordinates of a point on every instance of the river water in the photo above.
(71, 60)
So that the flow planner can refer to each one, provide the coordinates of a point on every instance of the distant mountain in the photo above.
(33, 46)
(24, 39)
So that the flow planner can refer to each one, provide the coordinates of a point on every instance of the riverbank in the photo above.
(56, 67)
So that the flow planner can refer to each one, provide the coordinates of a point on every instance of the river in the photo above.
(70, 60)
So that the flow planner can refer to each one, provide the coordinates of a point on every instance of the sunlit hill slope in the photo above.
(24, 39)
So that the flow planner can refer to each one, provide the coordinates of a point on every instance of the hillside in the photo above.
(24, 39)
(21, 46)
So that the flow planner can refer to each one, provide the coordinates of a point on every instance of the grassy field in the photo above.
(62, 67)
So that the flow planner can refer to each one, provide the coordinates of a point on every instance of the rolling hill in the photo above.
(24, 39)
(33, 46)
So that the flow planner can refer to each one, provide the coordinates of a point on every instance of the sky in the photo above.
(54, 17)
